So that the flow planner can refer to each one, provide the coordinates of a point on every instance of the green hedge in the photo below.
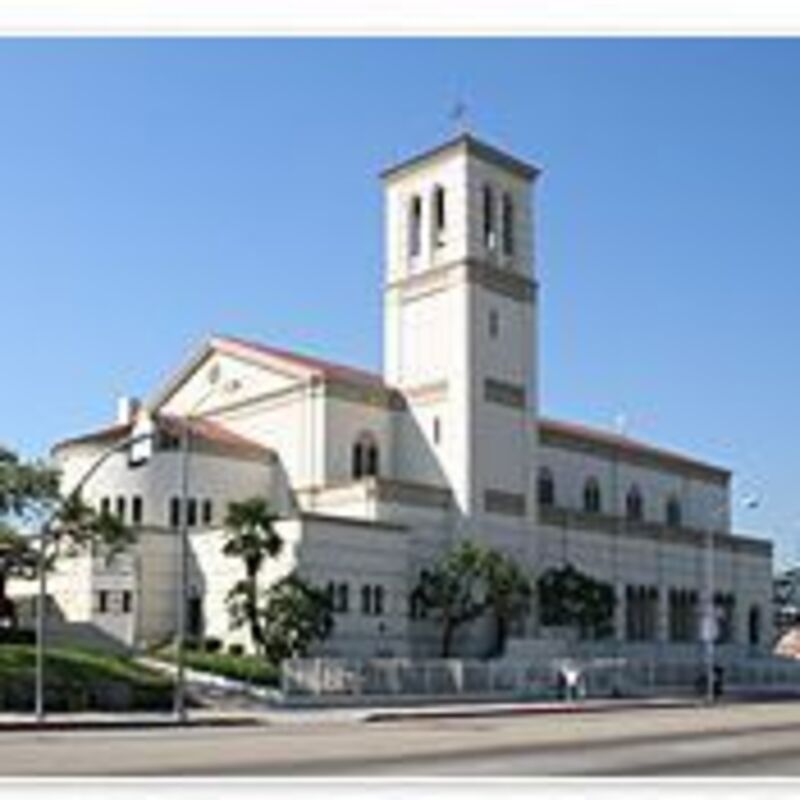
(80, 680)
(251, 669)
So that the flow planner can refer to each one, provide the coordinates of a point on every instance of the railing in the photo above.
(353, 679)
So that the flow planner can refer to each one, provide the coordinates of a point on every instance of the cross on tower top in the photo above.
(458, 116)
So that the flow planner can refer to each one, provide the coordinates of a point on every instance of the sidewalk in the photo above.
(108, 720)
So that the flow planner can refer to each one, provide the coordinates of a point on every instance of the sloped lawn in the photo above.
(248, 669)
(80, 680)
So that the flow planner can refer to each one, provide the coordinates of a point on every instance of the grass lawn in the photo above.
(251, 669)
(78, 680)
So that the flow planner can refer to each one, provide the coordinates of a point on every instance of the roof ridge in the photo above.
(310, 361)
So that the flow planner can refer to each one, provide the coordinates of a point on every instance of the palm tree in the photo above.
(252, 538)
(509, 592)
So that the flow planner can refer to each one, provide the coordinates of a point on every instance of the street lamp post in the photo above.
(44, 537)
(182, 551)
(709, 619)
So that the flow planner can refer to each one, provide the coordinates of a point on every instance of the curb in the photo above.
(125, 724)
(565, 708)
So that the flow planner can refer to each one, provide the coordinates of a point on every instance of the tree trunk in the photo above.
(500, 635)
(448, 629)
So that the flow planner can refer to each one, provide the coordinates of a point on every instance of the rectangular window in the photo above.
(175, 512)
(439, 216)
(342, 598)
(136, 510)
(377, 600)
(208, 512)
(105, 506)
(102, 601)
(191, 513)
(127, 602)
(489, 226)
(121, 508)
(437, 430)
(508, 225)
(415, 226)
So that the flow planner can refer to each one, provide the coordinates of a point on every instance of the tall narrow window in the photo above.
(102, 601)
(105, 506)
(342, 598)
(508, 225)
(121, 508)
(191, 513)
(592, 501)
(366, 599)
(437, 430)
(127, 602)
(439, 216)
(175, 512)
(377, 600)
(494, 323)
(366, 457)
(208, 512)
(136, 510)
(489, 224)
(673, 512)
(633, 504)
(415, 226)
(546, 488)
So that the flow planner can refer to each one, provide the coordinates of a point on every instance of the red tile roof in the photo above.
(201, 428)
(624, 443)
(329, 368)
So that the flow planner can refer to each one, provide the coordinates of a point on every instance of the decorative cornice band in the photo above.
(651, 531)
(380, 396)
(506, 282)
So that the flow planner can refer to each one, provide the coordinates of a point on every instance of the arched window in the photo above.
(439, 216)
(633, 504)
(489, 224)
(673, 512)
(366, 457)
(415, 226)
(508, 224)
(546, 488)
(592, 501)
(754, 626)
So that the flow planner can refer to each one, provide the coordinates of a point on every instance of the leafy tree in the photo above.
(31, 503)
(509, 593)
(252, 538)
(568, 597)
(293, 615)
(455, 590)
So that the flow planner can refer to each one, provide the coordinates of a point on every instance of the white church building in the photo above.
(376, 475)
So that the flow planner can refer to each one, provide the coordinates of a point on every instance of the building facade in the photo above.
(376, 475)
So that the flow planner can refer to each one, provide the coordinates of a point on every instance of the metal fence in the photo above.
(344, 679)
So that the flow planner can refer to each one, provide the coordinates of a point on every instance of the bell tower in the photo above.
(460, 326)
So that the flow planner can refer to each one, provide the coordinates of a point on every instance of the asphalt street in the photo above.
(734, 740)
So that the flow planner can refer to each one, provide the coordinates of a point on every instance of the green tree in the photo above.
(31, 504)
(251, 537)
(455, 590)
(509, 592)
(568, 597)
(293, 615)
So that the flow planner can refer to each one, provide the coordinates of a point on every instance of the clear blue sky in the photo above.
(154, 191)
